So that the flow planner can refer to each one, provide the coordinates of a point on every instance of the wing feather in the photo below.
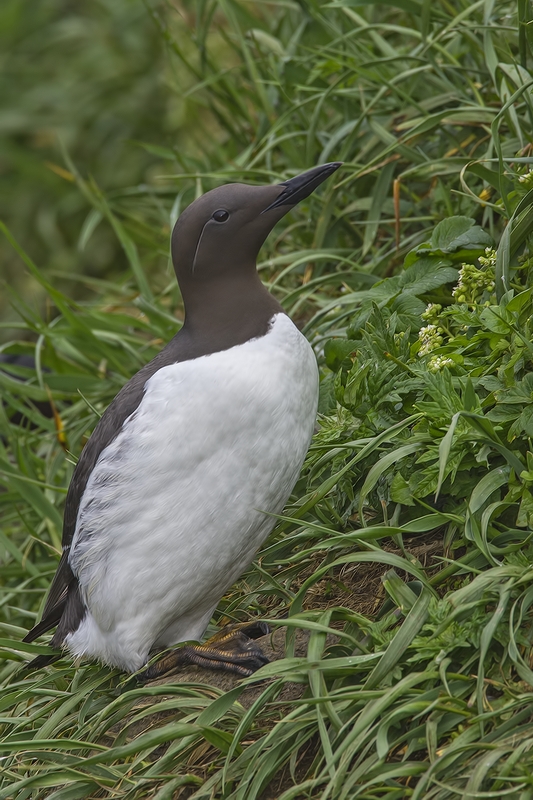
(64, 584)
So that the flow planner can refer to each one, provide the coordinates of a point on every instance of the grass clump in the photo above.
(405, 552)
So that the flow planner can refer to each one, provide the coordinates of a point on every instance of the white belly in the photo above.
(174, 510)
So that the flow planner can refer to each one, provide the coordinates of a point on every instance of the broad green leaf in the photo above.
(450, 230)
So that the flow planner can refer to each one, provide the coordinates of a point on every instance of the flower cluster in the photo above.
(440, 325)
(473, 282)
(488, 260)
(430, 338)
(526, 179)
(431, 314)
(436, 363)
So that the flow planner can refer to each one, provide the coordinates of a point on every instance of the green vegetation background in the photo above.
(409, 533)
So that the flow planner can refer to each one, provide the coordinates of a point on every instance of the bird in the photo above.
(179, 484)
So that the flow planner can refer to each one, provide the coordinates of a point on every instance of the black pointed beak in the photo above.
(300, 187)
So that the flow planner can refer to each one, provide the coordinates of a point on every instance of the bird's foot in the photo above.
(232, 649)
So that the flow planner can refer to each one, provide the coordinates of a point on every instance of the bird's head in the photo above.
(220, 234)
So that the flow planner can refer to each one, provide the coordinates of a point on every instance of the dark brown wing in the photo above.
(64, 606)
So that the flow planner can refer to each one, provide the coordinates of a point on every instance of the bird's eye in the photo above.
(221, 215)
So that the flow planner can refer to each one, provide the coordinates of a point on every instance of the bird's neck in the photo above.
(229, 310)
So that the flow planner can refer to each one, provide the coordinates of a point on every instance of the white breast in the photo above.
(174, 510)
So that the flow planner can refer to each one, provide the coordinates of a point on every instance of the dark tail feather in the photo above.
(67, 615)
(44, 625)
(42, 661)
(48, 622)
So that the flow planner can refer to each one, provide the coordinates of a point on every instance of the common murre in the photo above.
(166, 505)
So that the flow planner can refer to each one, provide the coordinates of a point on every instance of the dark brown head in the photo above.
(216, 240)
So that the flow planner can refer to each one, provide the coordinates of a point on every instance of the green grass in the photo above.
(409, 532)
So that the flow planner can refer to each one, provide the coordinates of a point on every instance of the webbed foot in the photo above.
(232, 649)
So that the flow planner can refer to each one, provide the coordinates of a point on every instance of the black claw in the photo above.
(150, 673)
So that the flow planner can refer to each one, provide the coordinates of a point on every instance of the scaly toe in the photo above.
(231, 651)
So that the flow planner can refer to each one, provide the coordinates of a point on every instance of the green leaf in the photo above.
(426, 274)
(396, 649)
(381, 466)
(445, 447)
(219, 707)
(497, 319)
(412, 6)
(458, 233)
(488, 484)
(336, 351)
(400, 491)
(448, 231)
(524, 518)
